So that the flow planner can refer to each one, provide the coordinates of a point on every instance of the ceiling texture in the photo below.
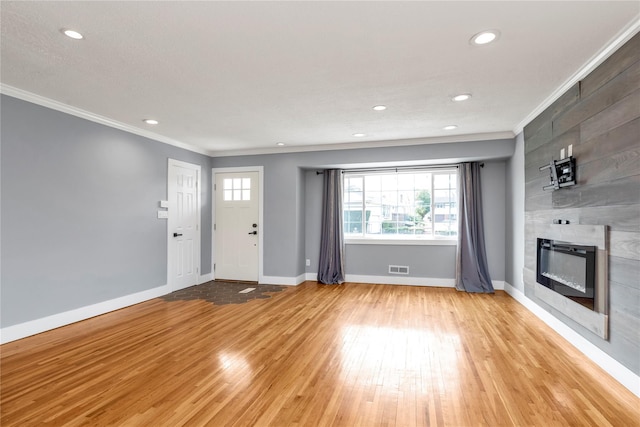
(235, 77)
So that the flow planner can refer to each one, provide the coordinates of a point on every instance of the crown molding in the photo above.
(369, 144)
(621, 38)
(96, 118)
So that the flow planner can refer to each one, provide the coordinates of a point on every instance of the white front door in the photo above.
(184, 224)
(236, 227)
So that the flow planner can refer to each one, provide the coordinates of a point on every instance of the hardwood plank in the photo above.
(619, 139)
(535, 220)
(540, 201)
(598, 101)
(534, 186)
(624, 191)
(544, 120)
(623, 111)
(350, 355)
(625, 271)
(615, 166)
(625, 318)
(619, 61)
(551, 150)
(541, 137)
(622, 218)
(625, 244)
(625, 298)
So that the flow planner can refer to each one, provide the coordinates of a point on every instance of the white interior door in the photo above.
(183, 225)
(236, 226)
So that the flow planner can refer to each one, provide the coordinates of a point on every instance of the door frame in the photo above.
(171, 248)
(260, 171)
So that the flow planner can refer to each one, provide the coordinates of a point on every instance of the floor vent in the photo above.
(246, 291)
(398, 269)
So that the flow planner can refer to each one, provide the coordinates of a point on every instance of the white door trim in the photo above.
(260, 170)
(170, 164)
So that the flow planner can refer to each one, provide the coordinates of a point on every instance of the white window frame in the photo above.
(350, 239)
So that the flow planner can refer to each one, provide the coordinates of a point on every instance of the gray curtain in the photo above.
(331, 264)
(472, 271)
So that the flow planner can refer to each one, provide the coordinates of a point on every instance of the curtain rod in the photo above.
(398, 168)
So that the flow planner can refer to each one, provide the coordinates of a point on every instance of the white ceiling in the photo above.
(231, 77)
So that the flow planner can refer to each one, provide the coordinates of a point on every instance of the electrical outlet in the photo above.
(308, 263)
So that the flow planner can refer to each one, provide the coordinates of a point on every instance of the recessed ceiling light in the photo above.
(72, 33)
(450, 127)
(359, 135)
(279, 144)
(461, 97)
(380, 107)
(485, 37)
(151, 121)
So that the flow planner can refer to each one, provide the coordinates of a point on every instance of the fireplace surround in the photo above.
(571, 273)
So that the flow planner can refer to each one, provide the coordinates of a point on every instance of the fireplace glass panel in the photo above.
(567, 269)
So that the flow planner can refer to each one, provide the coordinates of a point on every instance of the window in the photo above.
(237, 189)
(405, 205)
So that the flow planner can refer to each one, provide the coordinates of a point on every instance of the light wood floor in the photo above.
(351, 355)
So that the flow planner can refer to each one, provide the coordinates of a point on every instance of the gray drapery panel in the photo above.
(472, 271)
(331, 263)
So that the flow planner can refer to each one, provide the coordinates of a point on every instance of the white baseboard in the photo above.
(614, 368)
(407, 281)
(399, 280)
(33, 327)
(498, 285)
(205, 278)
(281, 280)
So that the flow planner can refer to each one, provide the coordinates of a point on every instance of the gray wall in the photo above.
(600, 116)
(283, 209)
(514, 221)
(301, 222)
(79, 202)
(493, 206)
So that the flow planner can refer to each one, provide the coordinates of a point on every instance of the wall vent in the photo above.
(398, 269)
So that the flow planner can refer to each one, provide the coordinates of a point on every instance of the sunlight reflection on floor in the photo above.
(398, 357)
(236, 369)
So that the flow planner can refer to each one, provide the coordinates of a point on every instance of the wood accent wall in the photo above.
(600, 116)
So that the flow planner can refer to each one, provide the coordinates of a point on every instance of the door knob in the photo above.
(253, 232)
(177, 234)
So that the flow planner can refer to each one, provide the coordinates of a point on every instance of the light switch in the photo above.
(163, 214)
(164, 203)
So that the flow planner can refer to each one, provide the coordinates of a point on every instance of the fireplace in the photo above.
(568, 269)
(572, 278)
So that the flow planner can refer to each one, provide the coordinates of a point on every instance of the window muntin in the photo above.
(416, 205)
(235, 189)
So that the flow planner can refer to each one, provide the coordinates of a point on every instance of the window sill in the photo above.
(430, 242)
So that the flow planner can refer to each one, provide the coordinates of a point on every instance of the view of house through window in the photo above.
(401, 205)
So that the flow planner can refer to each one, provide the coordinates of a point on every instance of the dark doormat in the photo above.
(221, 293)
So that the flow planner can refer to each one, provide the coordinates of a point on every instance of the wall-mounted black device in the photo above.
(562, 173)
